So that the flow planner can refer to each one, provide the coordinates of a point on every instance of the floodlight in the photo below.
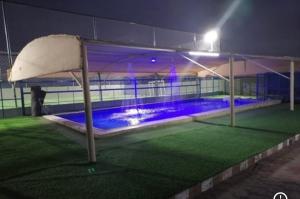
(211, 36)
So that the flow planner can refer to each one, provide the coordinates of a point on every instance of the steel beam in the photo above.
(88, 109)
(204, 67)
(292, 85)
(231, 85)
(266, 67)
(77, 80)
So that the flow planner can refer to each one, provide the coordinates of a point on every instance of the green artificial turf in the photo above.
(38, 161)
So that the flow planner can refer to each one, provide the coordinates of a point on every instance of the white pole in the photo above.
(231, 85)
(88, 109)
(292, 82)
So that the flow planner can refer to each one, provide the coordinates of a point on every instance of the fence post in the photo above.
(200, 86)
(22, 99)
(135, 90)
(171, 84)
(95, 37)
(2, 104)
(231, 85)
(213, 86)
(88, 109)
(292, 86)
(154, 37)
(100, 87)
(8, 48)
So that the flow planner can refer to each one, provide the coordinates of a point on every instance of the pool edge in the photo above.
(98, 133)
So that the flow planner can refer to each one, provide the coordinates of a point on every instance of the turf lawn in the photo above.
(38, 160)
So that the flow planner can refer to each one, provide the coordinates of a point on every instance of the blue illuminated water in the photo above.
(139, 114)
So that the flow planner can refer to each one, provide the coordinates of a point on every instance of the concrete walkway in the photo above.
(279, 173)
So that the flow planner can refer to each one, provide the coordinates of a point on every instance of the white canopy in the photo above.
(55, 54)
(47, 55)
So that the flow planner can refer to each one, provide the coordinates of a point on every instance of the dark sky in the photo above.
(256, 27)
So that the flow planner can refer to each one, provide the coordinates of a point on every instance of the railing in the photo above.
(67, 92)
(121, 91)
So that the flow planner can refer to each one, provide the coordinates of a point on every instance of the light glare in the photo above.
(204, 54)
(211, 36)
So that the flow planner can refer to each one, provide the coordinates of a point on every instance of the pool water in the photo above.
(138, 114)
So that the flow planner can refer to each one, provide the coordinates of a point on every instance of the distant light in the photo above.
(211, 36)
(204, 54)
(153, 60)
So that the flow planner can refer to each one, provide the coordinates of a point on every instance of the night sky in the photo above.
(270, 27)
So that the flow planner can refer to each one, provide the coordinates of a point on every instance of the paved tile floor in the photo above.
(278, 173)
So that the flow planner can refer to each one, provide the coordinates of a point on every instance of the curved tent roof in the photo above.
(47, 55)
(55, 54)
(50, 55)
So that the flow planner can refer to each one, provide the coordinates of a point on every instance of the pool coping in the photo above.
(159, 123)
(196, 190)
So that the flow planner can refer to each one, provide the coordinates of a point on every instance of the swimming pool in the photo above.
(130, 116)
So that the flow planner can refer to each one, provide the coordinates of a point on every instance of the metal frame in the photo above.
(204, 67)
(88, 109)
(265, 67)
(292, 85)
(2, 103)
(77, 80)
(100, 87)
(8, 49)
(231, 85)
(291, 78)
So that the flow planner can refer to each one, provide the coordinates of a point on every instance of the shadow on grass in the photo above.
(12, 194)
(46, 133)
(43, 169)
(244, 127)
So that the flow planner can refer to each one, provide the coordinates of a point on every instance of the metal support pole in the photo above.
(22, 99)
(197, 86)
(77, 79)
(135, 90)
(155, 85)
(225, 88)
(200, 94)
(88, 109)
(195, 40)
(213, 86)
(8, 48)
(231, 85)
(292, 82)
(171, 84)
(257, 86)
(265, 67)
(154, 37)
(100, 87)
(2, 103)
(204, 67)
(95, 37)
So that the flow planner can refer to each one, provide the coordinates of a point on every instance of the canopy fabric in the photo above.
(251, 67)
(124, 59)
(57, 55)
(47, 55)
